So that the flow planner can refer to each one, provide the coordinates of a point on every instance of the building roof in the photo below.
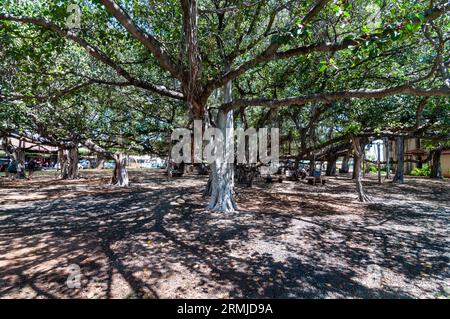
(35, 147)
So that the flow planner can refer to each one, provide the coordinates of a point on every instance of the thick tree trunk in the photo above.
(209, 186)
(302, 140)
(358, 158)
(419, 158)
(120, 173)
(73, 163)
(312, 164)
(17, 154)
(354, 175)
(208, 189)
(364, 163)
(244, 174)
(331, 166)
(63, 163)
(169, 167)
(419, 162)
(399, 173)
(344, 169)
(100, 161)
(222, 170)
(388, 159)
(19, 157)
(436, 171)
(183, 168)
(68, 162)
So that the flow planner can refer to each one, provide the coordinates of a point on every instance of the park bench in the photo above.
(316, 178)
(270, 179)
(292, 175)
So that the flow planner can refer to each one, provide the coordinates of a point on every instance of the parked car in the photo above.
(58, 166)
(150, 165)
(37, 166)
(84, 164)
(4, 162)
(109, 165)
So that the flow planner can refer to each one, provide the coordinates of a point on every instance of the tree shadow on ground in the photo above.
(155, 240)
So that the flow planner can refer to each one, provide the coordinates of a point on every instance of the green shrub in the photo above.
(424, 171)
(373, 169)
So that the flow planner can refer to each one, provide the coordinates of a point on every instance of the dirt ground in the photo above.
(156, 240)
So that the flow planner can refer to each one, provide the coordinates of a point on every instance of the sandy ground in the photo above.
(84, 239)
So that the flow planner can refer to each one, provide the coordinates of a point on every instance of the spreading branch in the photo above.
(272, 53)
(149, 42)
(268, 54)
(406, 89)
(94, 52)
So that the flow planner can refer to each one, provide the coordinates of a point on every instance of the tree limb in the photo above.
(272, 53)
(268, 54)
(94, 52)
(146, 39)
(406, 89)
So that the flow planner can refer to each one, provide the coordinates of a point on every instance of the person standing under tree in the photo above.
(31, 168)
(12, 169)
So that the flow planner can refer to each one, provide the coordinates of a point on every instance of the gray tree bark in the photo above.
(331, 166)
(120, 173)
(17, 154)
(68, 162)
(100, 161)
(73, 162)
(435, 169)
(358, 158)
(312, 165)
(222, 170)
(62, 161)
(388, 159)
(399, 173)
(344, 169)
(19, 157)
